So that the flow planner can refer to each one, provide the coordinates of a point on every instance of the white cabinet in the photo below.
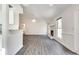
(14, 12)
(11, 16)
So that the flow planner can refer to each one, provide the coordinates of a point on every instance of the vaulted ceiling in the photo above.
(43, 11)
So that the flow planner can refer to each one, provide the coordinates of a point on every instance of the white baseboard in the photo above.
(18, 49)
(65, 45)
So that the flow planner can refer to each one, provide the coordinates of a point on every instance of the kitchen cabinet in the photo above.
(14, 12)
(11, 16)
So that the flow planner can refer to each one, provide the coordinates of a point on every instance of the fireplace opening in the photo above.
(52, 33)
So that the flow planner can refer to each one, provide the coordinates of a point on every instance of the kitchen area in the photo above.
(11, 40)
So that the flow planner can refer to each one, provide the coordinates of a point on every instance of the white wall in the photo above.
(5, 23)
(68, 27)
(15, 41)
(0, 44)
(68, 39)
(77, 28)
(0, 29)
(0, 17)
(0, 14)
(37, 28)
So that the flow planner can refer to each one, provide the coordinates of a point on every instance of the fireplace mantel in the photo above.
(51, 30)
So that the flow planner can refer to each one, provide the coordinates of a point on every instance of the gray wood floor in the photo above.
(42, 45)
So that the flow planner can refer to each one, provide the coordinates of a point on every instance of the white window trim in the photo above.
(59, 29)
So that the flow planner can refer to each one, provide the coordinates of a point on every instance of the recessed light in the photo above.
(34, 20)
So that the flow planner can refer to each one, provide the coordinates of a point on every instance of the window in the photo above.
(59, 28)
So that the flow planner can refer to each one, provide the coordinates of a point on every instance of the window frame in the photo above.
(59, 29)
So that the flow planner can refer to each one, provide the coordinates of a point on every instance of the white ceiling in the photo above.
(43, 11)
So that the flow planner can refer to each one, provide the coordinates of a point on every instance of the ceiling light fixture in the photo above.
(50, 4)
(33, 20)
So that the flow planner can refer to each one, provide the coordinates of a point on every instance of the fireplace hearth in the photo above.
(52, 33)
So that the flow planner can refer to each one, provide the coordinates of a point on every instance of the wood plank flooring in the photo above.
(42, 45)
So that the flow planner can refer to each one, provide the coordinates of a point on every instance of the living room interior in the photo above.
(39, 29)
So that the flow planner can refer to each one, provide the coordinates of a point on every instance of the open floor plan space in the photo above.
(39, 29)
(42, 45)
